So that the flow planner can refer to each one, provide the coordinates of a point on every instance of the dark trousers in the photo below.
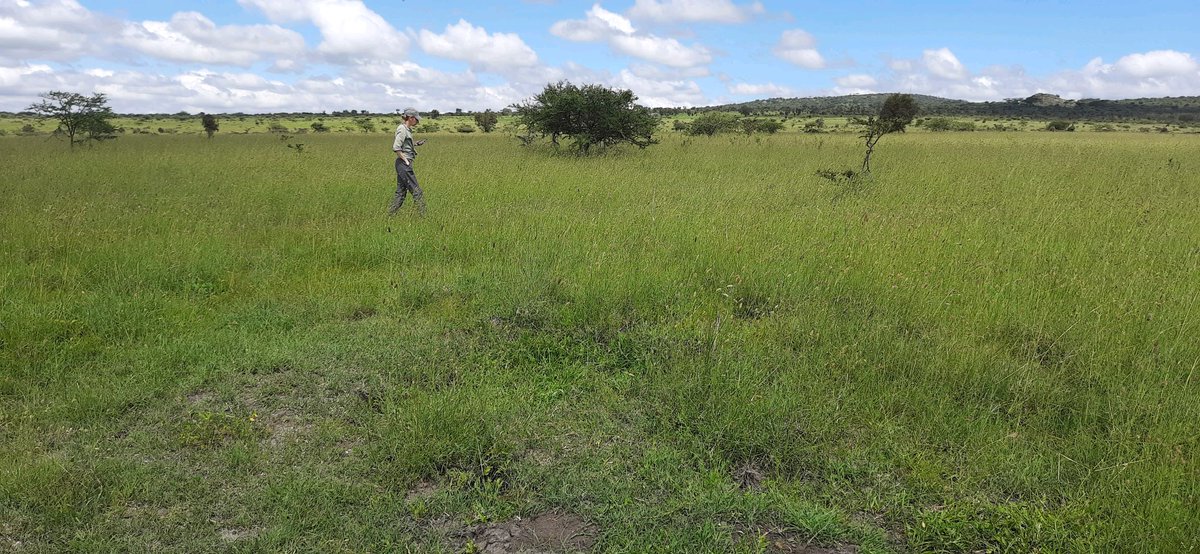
(406, 182)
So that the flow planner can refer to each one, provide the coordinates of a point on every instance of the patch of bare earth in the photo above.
(282, 427)
(420, 491)
(748, 477)
(199, 397)
(234, 534)
(780, 541)
(551, 532)
(9, 543)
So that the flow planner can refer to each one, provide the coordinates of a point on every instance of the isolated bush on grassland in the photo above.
(711, 123)
(758, 125)
(365, 124)
(465, 128)
(947, 124)
(591, 115)
(1060, 126)
(486, 120)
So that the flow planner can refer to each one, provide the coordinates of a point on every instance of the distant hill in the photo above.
(1181, 109)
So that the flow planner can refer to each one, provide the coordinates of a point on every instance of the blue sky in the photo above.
(324, 55)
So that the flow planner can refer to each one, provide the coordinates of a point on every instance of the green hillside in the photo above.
(1182, 109)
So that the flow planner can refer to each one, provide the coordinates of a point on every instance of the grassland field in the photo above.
(226, 345)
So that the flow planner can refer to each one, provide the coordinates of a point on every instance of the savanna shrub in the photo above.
(711, 123)
(947, 124)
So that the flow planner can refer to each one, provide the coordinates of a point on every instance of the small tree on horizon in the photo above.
(895, 115)
(210, 124)
(81, 118)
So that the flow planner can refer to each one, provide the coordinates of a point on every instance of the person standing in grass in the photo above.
(406, 152)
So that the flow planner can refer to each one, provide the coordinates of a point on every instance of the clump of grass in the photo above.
(207, 429)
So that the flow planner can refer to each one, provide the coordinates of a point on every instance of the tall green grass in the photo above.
(989, 345)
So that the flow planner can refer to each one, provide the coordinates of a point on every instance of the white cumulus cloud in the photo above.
(620, 34)
(660, 93)
(800, 48)
(944, 64)
(599, 24)
(495, 52)
(764, 89)
(191, 37)
(857, 80)
(666, 51)
(49, 30)
(713, 11)
(940, 73)
(1158, 63)
(349, 29)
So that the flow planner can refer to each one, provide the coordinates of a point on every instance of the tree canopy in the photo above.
(894, 116)
(81, 118)
(210, 124)
(591, 115)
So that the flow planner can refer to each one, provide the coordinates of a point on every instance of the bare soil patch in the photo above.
(233, 534)
(551, 532)
(780, 541)
(282, 426)
(420, 491)
(748, 477)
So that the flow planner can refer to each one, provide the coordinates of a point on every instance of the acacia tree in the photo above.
(591, 115)
(81, 118)
(895, 115)
(210, 124)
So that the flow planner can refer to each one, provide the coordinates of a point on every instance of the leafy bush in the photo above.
(276, 127)
(365, 124)
(486, 120)
(1060, 125)
(755, 125)
(711, 123)
(465, 128)
(947, 124)
(319, 127)
(591, 115)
